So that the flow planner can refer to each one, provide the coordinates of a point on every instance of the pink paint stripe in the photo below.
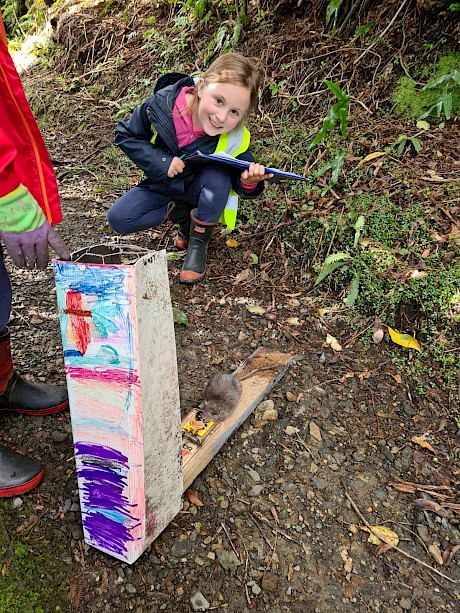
(114, 375)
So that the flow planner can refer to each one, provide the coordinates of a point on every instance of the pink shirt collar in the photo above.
(186, 130)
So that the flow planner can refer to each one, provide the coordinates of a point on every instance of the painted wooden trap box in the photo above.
(120, 359)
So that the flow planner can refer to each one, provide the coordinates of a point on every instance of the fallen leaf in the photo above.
(449, 554)
(431, 505)
(405, 340)
(426, 253)
(382, 534)
(435, 552)
(257, 310)
(293, 321)
(371, 156)
(421, 440)
(382, 548)
(232, 242)
(333, 343)
(179, 317)
(192, 496)
(348, 566)
(244, 275)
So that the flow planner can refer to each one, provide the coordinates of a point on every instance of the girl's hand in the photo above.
(254, 174)
(176, 167)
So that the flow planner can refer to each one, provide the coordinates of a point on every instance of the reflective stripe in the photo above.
(155, 134)
(228, 216)
(233, 143)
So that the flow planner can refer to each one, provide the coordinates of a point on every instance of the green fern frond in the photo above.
(353, 291)
(359, 225)
(336, 257)
(327, 271)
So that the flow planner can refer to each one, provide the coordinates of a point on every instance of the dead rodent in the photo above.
(222, 394)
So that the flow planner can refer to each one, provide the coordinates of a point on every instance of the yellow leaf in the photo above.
(382, 534)
(421, 440)
(232, 242)
(333, 343)
(257, 310)
(405, 340)
(371, 156)
(293, 321)
(422, 125)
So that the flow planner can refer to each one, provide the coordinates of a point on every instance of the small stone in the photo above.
(291, 430)
(266, 405)
(130, 588)
(58, 437)
(256, 589)
(270, 415)
(198, 602)
(181, 548)
(320, 483)
(315, 432)
(256, 490)
(252, 473)
(406, 604)
(17, 503)
(211, 555)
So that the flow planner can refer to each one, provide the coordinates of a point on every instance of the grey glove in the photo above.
(30, 249)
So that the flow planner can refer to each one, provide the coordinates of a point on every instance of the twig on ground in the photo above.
(387, 542)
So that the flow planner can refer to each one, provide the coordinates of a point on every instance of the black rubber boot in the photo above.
(20, 396)
(180, 214)
(18, 474)
(194, 267)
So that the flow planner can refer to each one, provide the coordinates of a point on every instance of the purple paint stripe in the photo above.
(125, 377)
(103, 473)
(107, 533)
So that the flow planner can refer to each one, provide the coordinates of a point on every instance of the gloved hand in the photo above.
(25, 231)
(30, 249)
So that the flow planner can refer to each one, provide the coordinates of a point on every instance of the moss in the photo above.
(35, 579)
(412, 101)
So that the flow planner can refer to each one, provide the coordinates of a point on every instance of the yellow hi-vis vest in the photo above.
(232, 143)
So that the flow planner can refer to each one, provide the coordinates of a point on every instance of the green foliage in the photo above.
(338, 113)
(25, 582)
(332, 11)
(403, 142)
(23, 18)
(440, 95)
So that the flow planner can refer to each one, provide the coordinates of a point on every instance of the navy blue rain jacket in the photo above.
(133, 135)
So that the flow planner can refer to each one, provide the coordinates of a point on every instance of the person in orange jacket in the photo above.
(29, 206)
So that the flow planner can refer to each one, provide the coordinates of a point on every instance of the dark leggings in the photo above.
(5, 294)
(141, 208)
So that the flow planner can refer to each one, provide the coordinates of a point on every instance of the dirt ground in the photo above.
(288, 501)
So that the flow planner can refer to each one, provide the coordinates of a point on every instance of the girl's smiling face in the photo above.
(221, 106)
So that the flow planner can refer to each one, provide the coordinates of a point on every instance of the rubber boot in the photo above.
(18, 474)
(19, 396)
(194, 267)
(179, 214)
(182, 238)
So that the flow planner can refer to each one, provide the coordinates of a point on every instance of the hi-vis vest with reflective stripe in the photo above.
(232, 143)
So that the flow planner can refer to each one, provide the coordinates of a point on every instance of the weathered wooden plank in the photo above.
(120, 359)
(255, 387)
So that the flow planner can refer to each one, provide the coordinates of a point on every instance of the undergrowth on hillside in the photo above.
(402, 264)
